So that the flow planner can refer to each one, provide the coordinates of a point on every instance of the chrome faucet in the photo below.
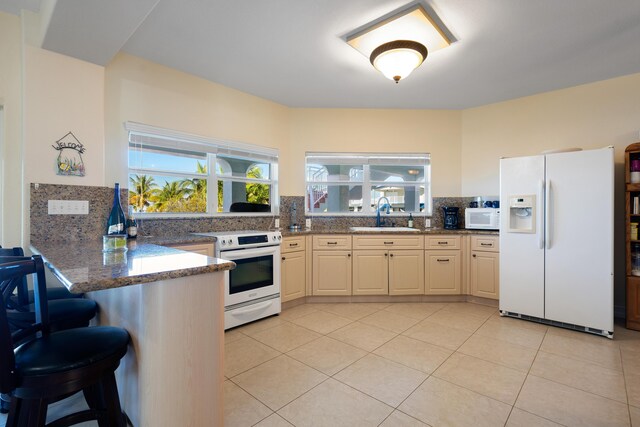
(379, 221)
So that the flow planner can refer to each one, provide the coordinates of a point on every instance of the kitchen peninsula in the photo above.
(171, 302)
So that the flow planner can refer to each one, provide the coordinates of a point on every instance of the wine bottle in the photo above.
(115, 223)
(132, 225)
(410, 222)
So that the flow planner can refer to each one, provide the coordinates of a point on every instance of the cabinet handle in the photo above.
(443, 259)
(283, 258)
(487, 244)
(386, 254)
(474, 255)
(443, 243)
(388, 243)
(391, 255)
(292, 245)
(332, 243)
(349, 255)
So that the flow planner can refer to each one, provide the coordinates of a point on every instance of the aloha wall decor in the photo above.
(69, 161)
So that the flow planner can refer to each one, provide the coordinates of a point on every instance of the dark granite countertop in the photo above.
(427, 231)
(84, 267)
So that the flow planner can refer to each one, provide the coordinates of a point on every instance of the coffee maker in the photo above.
(450, 217)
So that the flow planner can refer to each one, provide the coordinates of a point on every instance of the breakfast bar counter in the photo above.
(172, 304)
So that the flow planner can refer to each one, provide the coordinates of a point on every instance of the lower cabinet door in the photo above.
(443, 271)
(370, 272)
(292, 276)
(331, 273)
(485, 274)
(406, 272)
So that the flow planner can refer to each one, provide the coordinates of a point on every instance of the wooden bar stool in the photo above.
(50, 366)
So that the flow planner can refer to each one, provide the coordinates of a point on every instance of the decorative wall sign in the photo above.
(69, 161)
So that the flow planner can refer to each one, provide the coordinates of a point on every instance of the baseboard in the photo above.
(389, 298)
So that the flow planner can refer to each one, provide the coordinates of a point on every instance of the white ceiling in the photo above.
(292, 51)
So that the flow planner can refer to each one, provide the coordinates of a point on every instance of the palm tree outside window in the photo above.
(169, 176)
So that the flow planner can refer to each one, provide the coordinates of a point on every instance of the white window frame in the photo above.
(171, 139)
(366, 160)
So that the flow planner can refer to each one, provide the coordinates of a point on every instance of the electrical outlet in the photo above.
(307, 223)
(277, 223)
(68, 207)
(427, 222)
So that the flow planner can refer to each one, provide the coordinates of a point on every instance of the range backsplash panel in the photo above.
(70, 228)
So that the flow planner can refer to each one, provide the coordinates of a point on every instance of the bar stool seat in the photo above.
(69, 313)
(71, 349)
(57, 292)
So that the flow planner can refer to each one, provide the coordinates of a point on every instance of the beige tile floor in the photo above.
(422, 364)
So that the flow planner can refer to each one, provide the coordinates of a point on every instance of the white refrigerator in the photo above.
(556, 239)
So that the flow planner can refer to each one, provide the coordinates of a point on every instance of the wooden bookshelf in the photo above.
(632, 152)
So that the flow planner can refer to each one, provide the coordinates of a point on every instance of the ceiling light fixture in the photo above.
(397, 59)
(397, 43)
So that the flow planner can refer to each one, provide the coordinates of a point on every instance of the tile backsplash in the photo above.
(45, 227)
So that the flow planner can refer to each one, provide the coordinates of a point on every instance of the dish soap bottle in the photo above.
(410, 223)
(115, 223)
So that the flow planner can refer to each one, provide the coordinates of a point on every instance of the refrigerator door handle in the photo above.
(547, 214)
(540, 218)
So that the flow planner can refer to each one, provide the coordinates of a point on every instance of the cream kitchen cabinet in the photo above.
(484, 266)
(388, 265)
(293, 272)
(331, 262)
(406, 272)
(199, 248)
(443, 265)
(370, 272)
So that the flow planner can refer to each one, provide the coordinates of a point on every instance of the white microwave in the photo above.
(482, 218)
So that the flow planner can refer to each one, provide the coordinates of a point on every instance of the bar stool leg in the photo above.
(112, 400)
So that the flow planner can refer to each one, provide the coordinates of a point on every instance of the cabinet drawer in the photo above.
(387, 241)
(290, 244)
(199, 248)
(442, 242)
(485, 243)
(338, 241)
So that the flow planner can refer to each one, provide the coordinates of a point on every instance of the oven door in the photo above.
(257, 274)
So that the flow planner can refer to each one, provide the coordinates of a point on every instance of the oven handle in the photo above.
(248, 253)
(253, 308)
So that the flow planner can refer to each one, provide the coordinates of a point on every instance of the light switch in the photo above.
(68, 207)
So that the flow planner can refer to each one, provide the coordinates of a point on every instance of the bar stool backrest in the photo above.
(23, 288)
(11, 275)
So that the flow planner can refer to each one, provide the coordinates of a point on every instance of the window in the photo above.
(354, 183)
(175, 173)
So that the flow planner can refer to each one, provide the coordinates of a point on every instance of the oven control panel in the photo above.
(240, 240)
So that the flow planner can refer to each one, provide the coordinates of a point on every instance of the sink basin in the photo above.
(384, 229)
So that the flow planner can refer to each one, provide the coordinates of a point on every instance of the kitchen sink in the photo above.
(384, 229)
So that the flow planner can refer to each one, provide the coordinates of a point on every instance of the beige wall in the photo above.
(62, 94)
(432, 131)
(11, 128)
(148, 93)
(588, 116)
